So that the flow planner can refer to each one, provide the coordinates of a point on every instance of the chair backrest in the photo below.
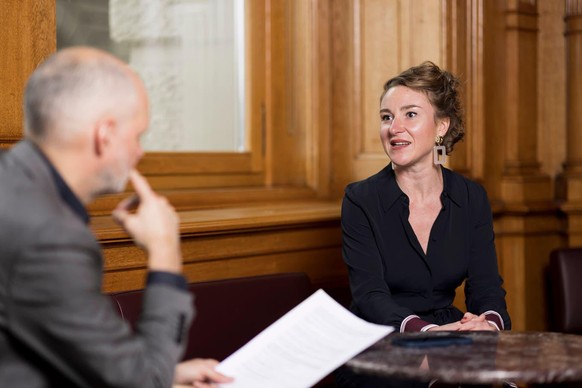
(229, 312)
(566, 290)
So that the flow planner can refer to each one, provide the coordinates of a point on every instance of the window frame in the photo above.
(175, 174)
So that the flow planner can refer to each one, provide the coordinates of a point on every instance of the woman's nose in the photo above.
(395, 126)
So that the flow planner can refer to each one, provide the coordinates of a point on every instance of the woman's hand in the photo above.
(469, 322)
(472, 322)
(455, 326)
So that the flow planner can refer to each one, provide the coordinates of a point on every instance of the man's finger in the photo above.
(140, 184)
(120, 215)
(130, 203)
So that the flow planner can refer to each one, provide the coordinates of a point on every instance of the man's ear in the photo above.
(103, 133)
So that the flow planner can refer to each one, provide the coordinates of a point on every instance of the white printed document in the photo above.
(302, 347)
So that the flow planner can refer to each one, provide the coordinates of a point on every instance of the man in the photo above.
(84, 114)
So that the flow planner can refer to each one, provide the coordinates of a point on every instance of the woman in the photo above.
(413, 232)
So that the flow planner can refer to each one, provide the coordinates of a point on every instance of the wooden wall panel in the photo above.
(494, 77)
(372, 42)
(27, 37)
(309, 97)
(344, 95)
(463, 25)
(524, 243)
(284, 141)
(228, 243)
(551, 80)
(379, 34)
(385, 44)
(573, 170)
(528, 222)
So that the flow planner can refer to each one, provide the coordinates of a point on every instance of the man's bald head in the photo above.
(74, 87)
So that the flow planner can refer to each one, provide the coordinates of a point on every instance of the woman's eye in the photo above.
(385, 117)
(410, 114)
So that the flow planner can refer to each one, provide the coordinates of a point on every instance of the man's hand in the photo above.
(199, 373)
(154, 226)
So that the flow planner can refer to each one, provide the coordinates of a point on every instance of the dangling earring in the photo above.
(439, 151)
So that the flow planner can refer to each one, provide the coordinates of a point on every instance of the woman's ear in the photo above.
(103, 132)
(443, 126)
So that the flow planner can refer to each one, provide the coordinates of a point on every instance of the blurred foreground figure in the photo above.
(85, 111)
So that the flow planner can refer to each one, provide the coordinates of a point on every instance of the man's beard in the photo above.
(113, 181)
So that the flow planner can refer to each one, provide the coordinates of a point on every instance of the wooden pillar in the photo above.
(522, 180)
(573, 166)
(525, 224)
(463, 22)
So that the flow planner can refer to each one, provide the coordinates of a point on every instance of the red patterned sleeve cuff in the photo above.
(413, 323)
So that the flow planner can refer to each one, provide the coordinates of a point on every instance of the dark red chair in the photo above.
(229, 312)
(565, 272)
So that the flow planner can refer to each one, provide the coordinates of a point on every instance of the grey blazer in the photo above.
(56, 328)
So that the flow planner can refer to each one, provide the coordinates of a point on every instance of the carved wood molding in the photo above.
(223, 243)
(522, 15)
(234, 219)
(523, 21)
(573, 8)
(574, 19)
(522, 6)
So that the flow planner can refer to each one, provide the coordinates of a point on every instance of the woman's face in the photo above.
(408, 128)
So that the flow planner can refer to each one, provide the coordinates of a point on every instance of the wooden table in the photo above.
(521, 357)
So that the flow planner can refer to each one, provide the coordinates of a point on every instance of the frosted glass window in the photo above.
(190, 54)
